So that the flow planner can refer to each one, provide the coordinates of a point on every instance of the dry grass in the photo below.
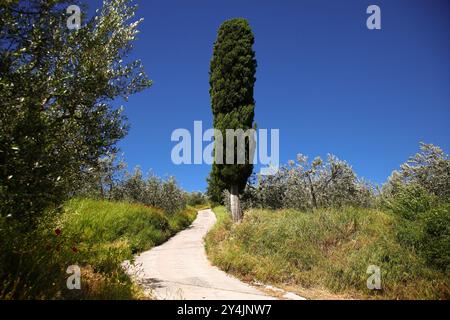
(323, 254)
(95, 235)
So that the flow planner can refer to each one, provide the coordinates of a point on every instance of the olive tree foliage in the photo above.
(152, 191)
(196, 198)
(421, 184)
(428, 169)
(110, 180)
(324, 184)
(56, 87)
(100, 181)
(419, 195)
(307, 185)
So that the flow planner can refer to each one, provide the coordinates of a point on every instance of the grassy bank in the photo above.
(324, 253)
(95, 235)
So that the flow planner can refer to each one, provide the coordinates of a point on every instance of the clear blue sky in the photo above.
(327, 82)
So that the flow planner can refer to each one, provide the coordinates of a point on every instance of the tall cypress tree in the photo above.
(232, 78)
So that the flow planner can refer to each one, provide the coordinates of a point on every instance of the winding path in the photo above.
(179, 269)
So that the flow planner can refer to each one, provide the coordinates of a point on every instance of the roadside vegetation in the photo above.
(197, 200)
(65, 198)
(325, 247)
(96, 235)
(110, 215)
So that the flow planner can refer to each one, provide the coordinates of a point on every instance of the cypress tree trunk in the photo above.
(235, 204)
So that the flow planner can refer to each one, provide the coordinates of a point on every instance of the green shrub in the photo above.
(422, 223)
(410, 201)
(436, 238)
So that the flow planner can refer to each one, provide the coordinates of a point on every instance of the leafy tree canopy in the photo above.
(57, 86)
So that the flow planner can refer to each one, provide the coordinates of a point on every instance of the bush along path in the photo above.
(179, 269)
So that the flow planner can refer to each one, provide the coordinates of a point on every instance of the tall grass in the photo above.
(327, 248)
(95, 235)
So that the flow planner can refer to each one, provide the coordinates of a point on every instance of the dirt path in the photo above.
(179, 269)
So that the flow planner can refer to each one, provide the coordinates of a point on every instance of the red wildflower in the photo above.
(75, 249)
(58, 231)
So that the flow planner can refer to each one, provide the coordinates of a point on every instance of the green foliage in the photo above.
(422, 224)
(101, 180)
(96, 235)
(109, 180)
(152, 191)
(57, 85)
(418, 195)
(233, 66)
(437, 237)
(232, 78)
(215, 186)
(329, 248)
(429, 169)
(410, 201)
(307, 185)
(194, 199)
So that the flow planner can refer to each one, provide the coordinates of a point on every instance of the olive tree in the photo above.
(99, 181)
(151, 191)
(420, 184)
(305, 185)
(430, 168)
(324, 184)
(57, 86)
